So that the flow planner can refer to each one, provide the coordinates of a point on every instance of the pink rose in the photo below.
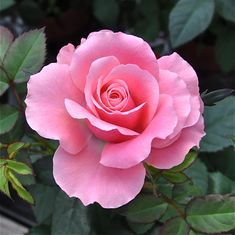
(112, 105)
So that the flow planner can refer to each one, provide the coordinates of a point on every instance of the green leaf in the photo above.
(224, 49)
(63, 220)
(44, 197)
(19, 167)
(140, 228)
(188, 19)
(183, 193)
(188, 161)
(3, 85)
(4, 187)
(176, 226)
(15, 147)
(145, 209)
(174, 177)
(5, 41)
(21, 191)
(209, 99)
(8, 118)
(6, 4)
(220, 126)
(102, 10)
(198, 175)
(211, 214)
(226, 8)
(26, 55)
(219, 183)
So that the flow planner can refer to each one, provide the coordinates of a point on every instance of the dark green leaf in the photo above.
(19, 167)
(15, 147)
(102, 10)
(63, 220)
(21, 191)
(145, 209)
(198, 175)
(175, 177)
(226, 8)
(26, 55)
(5, 42)
(212, 214)
(220, 125)
(176, 226)
(188, 161)
(44, 197)
(170, 213)
(6, 4)
(8, 118)
(3, 181)
(209, 99)
(140, 228)
(183, 193)
(188, 19)
(224, 48)
(219, 183)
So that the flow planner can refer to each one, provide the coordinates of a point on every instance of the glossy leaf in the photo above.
(145, 209)
(26, 55)
(211, 214)
(139, 228)
(8, 118)
(176, 226)
(6, 4)
(4, 187)
(209, 99)
(5, 42)
(66, 210)
(220, 125)
(19, 167)
(188, 19)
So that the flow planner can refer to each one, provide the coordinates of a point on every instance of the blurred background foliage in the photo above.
(201, 31)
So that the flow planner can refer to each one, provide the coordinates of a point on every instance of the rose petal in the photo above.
(175, 153)
(84, 177)
(78, 112)
(132, 152)
(176, 64)
(46, 112)
(65, 54)
(127, 49)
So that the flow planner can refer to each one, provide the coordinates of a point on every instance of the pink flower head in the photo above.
(112, 105)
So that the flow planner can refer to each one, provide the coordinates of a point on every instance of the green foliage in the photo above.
(5, 4)
(220, 126)
(69, 217)
(226, 9)
(145, 209)
(25, 56)
(212, 214)
(188, 19)
(8, 118)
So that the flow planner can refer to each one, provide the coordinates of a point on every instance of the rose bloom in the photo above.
(112, 105)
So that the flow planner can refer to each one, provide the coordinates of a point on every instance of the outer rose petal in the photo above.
(84, 177)
(175, 153)
(127, 49)
(65, 54)
(132, 152)
(46, 112)
(176, 64)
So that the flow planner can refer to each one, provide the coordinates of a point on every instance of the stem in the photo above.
(12, 86)
(158, 194)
